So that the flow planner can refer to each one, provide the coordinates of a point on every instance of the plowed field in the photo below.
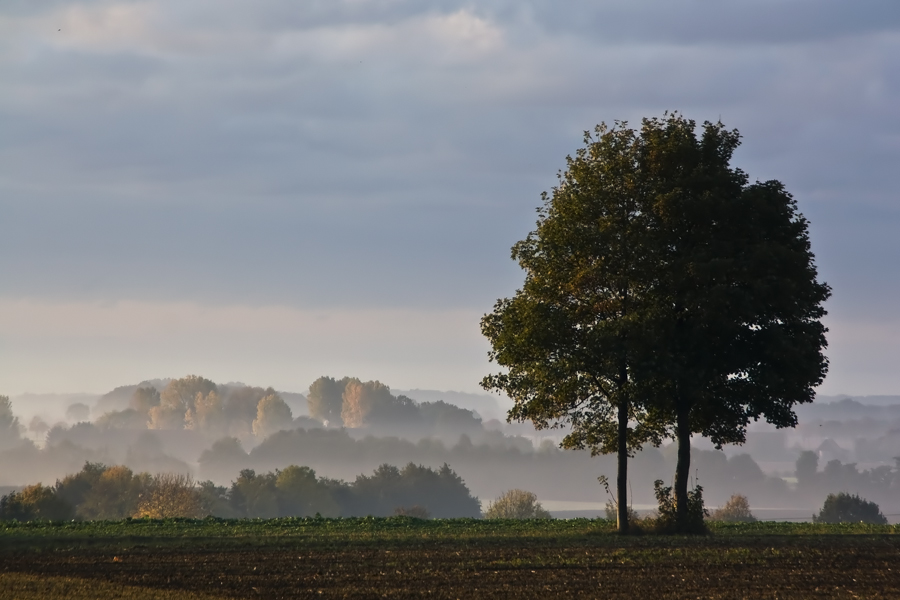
(406, 558)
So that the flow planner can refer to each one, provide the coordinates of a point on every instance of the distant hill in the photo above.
(847, 408)
(867, 400)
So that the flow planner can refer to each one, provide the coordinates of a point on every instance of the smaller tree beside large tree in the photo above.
(571, 337)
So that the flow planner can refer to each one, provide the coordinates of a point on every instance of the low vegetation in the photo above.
(736, 510)
(847, 508)
(516, 504)
(101, 492)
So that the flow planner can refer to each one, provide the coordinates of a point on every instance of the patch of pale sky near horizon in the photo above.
(94, 347)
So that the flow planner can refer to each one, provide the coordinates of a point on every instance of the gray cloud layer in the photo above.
(388, 153)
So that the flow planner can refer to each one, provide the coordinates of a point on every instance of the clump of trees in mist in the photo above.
(370, 406)
(102, 492)
(195, 403)
(849, 508)
(226, 430)
(880, 483)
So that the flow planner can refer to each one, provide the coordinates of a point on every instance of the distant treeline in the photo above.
(217, 444)
(198, 404)
(102, 492)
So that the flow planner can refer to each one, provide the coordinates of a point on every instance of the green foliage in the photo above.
(736, 510)
(101, 492)
(662, 284)
(516, 504)
(215, 500)
(846, 508)
(303, 495)
(75, 489)
(441, 492)
(736, 308)
(667, 520)
(170, 495)
(569, 337)
(35, 503)
(255, 495)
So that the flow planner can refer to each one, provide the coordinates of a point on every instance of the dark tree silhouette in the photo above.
(663, 295)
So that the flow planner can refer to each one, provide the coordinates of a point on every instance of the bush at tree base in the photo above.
(847, 508)
(694, 521)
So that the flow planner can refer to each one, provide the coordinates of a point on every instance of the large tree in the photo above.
(570, 337)
(735, 307)
(663, 295)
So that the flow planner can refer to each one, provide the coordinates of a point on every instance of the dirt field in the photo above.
(404, 558)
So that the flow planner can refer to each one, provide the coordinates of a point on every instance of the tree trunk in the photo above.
(622, 474)
(683, 466)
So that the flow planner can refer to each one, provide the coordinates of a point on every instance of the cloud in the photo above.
(386, 154)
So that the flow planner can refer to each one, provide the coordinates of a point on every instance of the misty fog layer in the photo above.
(345, 428)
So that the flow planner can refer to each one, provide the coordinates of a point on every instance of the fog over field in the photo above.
(841, 444)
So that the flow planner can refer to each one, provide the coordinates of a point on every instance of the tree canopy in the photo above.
(664, 295)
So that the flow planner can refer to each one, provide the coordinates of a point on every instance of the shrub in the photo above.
(667, 522)
(846, 508)
(736, 510)
(35, 502)
(516, 504)
(170, 495)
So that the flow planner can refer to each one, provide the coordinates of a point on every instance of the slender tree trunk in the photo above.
(683, 466)
(622, 474)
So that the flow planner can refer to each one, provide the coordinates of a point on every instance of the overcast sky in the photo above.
(270, 191)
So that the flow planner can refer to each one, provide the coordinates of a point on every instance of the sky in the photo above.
(275, 190)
